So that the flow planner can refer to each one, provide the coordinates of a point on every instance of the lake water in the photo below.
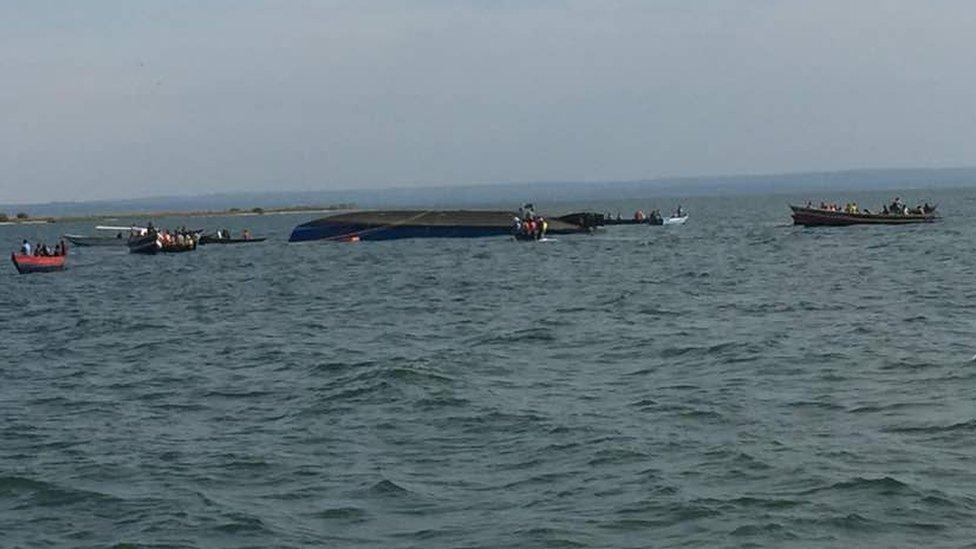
(734, 382)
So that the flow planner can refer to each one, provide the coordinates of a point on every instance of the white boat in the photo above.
(675, 220)
(97, 240)
(120, 238)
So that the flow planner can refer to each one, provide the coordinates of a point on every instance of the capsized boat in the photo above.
(389, 225)
(38, 263)
(816, 217)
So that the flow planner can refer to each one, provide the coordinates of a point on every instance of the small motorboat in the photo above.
(38, 263)
(675, 220)
(96, 240)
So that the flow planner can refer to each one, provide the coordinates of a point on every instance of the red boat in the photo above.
(813, 217)
(38, 263)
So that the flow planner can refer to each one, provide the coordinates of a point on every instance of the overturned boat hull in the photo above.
(392, 225)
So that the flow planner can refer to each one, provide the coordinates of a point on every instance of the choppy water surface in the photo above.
(732, 382)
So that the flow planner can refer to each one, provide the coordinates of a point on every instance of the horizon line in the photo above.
(423, 187)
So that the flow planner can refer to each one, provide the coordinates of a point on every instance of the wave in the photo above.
(766, 529)
(242, 524)
(885, 486)
(38, 493)
(387, 489)
(966, 427)
(541, 334)
(349, 514)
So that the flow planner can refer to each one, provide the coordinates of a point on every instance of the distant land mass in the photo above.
(836, 182)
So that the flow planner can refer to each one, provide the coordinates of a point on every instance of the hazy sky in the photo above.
(105, 99)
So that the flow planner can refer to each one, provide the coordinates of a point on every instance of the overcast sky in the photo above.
(103, 99)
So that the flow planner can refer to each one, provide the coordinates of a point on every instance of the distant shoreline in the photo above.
(232, 212)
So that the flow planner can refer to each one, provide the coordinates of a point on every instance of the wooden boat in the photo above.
(95, 240)
(629, 221)
(153, 244)
(38, 263)
(587, 220)
(815, 217)
(214, 239)
(591, 220)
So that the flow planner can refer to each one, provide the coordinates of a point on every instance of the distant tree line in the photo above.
(20, 217)
(260, 210)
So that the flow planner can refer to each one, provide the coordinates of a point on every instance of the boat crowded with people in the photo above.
(593, 220)
(896, 213)
(152, 241)
(40, 258)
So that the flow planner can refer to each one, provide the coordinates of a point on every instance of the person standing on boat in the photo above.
(25, 248)
(896, 206)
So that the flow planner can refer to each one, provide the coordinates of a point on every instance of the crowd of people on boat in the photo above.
(180, 238)
(528, 225)
(225, 234)
(850, 207)
(43, 250)
(653, 217)
(177, 238)
(897, 207)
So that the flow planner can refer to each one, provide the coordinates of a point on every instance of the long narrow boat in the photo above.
(815, 217)
(588, 219)
(628, 221)
(388, 225)
(213, 239)
(591, 220)
(38, 263)
(95, 240)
